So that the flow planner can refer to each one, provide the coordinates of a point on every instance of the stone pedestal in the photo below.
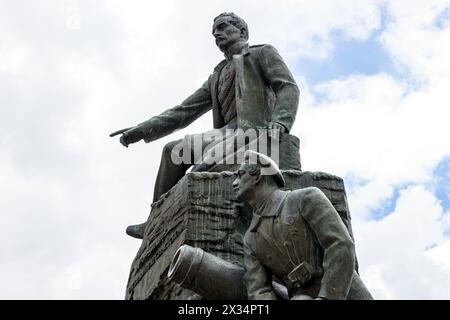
(202, 211)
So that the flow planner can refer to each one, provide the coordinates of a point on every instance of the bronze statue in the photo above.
(298, 245)
(296, 236)
(251, 89)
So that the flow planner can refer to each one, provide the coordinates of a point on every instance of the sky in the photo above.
(374, 78)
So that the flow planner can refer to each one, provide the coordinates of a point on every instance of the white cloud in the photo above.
(393, 251)
(414, 40)
(385, 132)
(13, 59)
(439, 254)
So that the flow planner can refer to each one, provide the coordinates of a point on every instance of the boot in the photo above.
(136, 230)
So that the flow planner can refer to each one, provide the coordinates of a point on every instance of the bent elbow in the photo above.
(347, 247)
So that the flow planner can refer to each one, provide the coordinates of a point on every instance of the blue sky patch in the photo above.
(349, 57)
(431, 246)
(354, 57)
(387, 207)
(442, 179)
(353, 181)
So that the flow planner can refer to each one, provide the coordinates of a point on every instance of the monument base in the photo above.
(202, 211)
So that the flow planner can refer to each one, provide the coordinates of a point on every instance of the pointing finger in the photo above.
(119, 132)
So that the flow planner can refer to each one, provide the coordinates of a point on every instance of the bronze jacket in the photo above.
(300, 230)
(265, 92)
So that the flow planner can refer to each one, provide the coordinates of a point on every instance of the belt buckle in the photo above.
(301, 274)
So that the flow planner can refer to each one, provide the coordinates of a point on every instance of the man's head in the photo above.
(257, 171)
(228, 29)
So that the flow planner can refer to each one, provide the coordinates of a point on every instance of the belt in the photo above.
(301, 275)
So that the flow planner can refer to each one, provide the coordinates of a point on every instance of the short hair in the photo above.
(236, 21)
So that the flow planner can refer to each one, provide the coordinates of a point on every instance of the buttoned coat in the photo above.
(265, 92)
(301, 228)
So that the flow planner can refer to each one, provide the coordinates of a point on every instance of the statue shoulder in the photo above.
(262, 47)
(293, 197)
(259, 47)
(299, 197)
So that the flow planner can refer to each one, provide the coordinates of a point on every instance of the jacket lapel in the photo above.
(217, 117)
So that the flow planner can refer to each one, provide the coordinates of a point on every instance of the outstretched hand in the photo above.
(129, 135)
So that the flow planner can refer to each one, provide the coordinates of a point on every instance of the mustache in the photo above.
(219, 38)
